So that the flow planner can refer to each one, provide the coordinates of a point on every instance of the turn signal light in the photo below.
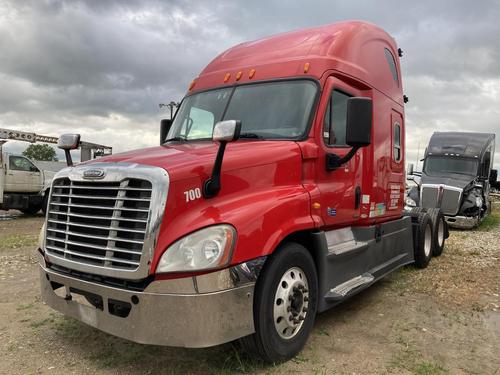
(227, 76)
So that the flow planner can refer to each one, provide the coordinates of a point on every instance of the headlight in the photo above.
(204, 249)
(410, 202)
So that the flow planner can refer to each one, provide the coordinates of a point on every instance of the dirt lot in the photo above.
(444, 319)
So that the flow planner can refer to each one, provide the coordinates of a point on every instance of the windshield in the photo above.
(275, 110)
(438, 165)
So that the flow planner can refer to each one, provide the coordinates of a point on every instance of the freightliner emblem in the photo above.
(94, 173)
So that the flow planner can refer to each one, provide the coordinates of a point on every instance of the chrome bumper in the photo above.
(462, 222)
(191, 312)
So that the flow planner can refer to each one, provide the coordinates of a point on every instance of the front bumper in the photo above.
(194, 312)
(462, 222)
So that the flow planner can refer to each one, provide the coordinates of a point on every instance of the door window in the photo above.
(19, 163)
(396, 154)
(334, 126)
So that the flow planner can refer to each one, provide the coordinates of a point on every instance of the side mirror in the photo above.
(493, 176)
(224, 131)
(165, 126)
(410, 169)
(359, 122)
(68, 142)
(358, 130)
(227, 131)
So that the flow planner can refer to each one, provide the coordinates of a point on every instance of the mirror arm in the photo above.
(333, 161)
(69, 161)
(211, 187)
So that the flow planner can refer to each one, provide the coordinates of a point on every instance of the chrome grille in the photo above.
(450, 203)
(99, 223)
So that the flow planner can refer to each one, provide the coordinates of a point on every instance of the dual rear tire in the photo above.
(429, 234)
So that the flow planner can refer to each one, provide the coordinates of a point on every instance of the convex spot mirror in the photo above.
(359, 122)
(227, 131)
(68, 141)
(165, 126)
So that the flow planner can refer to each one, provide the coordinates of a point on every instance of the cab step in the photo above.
(341, 291)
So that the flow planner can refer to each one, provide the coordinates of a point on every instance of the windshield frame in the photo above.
(233, 87)
(424, 167)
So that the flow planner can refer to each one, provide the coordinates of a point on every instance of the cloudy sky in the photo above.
(101, 68)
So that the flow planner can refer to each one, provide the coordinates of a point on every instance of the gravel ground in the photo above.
(441, 320)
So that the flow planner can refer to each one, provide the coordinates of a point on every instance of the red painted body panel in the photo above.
(273, 188)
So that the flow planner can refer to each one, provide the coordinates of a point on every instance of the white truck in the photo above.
(23, 185)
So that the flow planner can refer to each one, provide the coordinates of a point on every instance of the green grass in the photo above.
(492, 221)
(16, 241)
(411, 359)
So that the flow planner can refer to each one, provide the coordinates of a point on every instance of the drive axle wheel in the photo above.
(285, 304)
(423, 241)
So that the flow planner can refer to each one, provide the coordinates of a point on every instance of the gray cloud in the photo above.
(102, 67)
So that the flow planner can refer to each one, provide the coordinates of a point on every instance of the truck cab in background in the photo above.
(457, 175)
(23, 185)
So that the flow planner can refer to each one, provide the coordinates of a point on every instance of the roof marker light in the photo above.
(251, 73)
(238, 75)
(227, 76)
(306, 67)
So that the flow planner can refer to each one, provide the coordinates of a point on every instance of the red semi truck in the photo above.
(276, 193)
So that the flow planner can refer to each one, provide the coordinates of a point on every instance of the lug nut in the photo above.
(306, 299)
(301, 317)
(296, 321)
(305, 309)
(305, 290)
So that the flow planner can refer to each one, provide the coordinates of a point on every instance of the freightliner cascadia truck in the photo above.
(457, 176)
(277, 192)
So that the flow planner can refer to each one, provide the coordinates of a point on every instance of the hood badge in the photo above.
(94, 173)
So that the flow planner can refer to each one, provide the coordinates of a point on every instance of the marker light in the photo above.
(251, 73)
(306, 67)
(227, 76)
(207, 248)
(191, 85)
(238, 75)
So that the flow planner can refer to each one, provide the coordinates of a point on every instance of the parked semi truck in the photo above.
(456, 176)
(23, 185)
(277, 193)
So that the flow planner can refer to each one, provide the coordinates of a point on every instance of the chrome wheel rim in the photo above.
(441, 233)
(291, 303)
(428, 240)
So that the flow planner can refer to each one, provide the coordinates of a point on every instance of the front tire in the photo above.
(285, 304)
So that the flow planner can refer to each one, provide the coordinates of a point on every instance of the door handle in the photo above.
(357, 197)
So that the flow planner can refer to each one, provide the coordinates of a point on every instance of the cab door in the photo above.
(22, 176)
(341, 190)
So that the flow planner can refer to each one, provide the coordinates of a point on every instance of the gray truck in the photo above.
(456, 176)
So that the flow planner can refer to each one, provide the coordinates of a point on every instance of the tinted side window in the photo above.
(396, 154)
(334, 125)
(392, 65)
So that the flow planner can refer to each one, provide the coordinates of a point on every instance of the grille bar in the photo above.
(98, 258)
(96, 197)
(95, 217)
(102, 227)
(83, 244)
(99, 207)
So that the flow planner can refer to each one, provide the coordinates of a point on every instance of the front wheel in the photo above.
(285, 304)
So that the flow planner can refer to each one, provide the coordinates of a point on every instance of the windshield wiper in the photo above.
(251, 135)
(179, 138)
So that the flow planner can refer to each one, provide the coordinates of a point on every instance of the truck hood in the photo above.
(456, 180)
(190, 159)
